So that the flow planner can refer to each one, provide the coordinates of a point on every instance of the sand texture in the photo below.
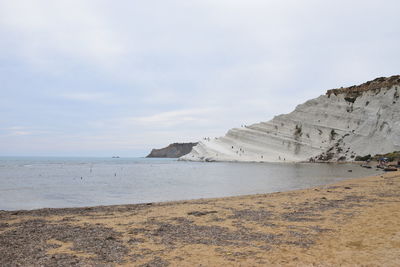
(351, 223)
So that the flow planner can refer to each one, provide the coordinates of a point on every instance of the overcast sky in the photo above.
(103, 78)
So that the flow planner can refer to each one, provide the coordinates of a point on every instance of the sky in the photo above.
(104, 78)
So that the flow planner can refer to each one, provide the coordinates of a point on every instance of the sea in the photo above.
(39, 182)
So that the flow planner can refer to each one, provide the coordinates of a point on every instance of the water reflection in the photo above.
(28, 183)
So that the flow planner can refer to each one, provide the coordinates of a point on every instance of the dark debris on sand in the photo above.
(185, 231)
(26, 244)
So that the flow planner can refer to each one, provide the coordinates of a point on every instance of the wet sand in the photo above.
(352, 223)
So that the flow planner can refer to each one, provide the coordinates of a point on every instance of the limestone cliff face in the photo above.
(174, 150)
(339, 125)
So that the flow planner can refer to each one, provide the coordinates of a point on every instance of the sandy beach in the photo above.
(352, 223)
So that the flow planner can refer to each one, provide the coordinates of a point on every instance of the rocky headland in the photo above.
(174, 150)
(338, 126)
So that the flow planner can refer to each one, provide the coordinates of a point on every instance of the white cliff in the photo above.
(339, 125)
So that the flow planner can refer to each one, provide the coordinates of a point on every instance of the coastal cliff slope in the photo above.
(340, 125)
(174, 150)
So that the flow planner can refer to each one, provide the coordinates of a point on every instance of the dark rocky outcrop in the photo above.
(355, 91)
(174, 150)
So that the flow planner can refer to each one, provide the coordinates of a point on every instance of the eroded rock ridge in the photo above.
(339, 125)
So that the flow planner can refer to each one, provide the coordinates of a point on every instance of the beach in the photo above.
(351, 223)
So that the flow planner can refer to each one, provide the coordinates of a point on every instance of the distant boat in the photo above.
(115, 157)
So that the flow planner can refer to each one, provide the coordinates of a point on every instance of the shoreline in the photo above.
(186, 201)
(278, 161)
(352, 222)
(262, 178)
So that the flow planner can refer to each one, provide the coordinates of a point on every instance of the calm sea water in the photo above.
(30, 183)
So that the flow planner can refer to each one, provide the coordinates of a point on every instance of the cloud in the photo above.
(92, 97)
(49, 31)
(172, 118)
(21, 131)
(14, 128)
(98, 73)
(15, 131)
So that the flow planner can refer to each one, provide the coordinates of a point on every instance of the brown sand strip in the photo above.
(354, 222)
